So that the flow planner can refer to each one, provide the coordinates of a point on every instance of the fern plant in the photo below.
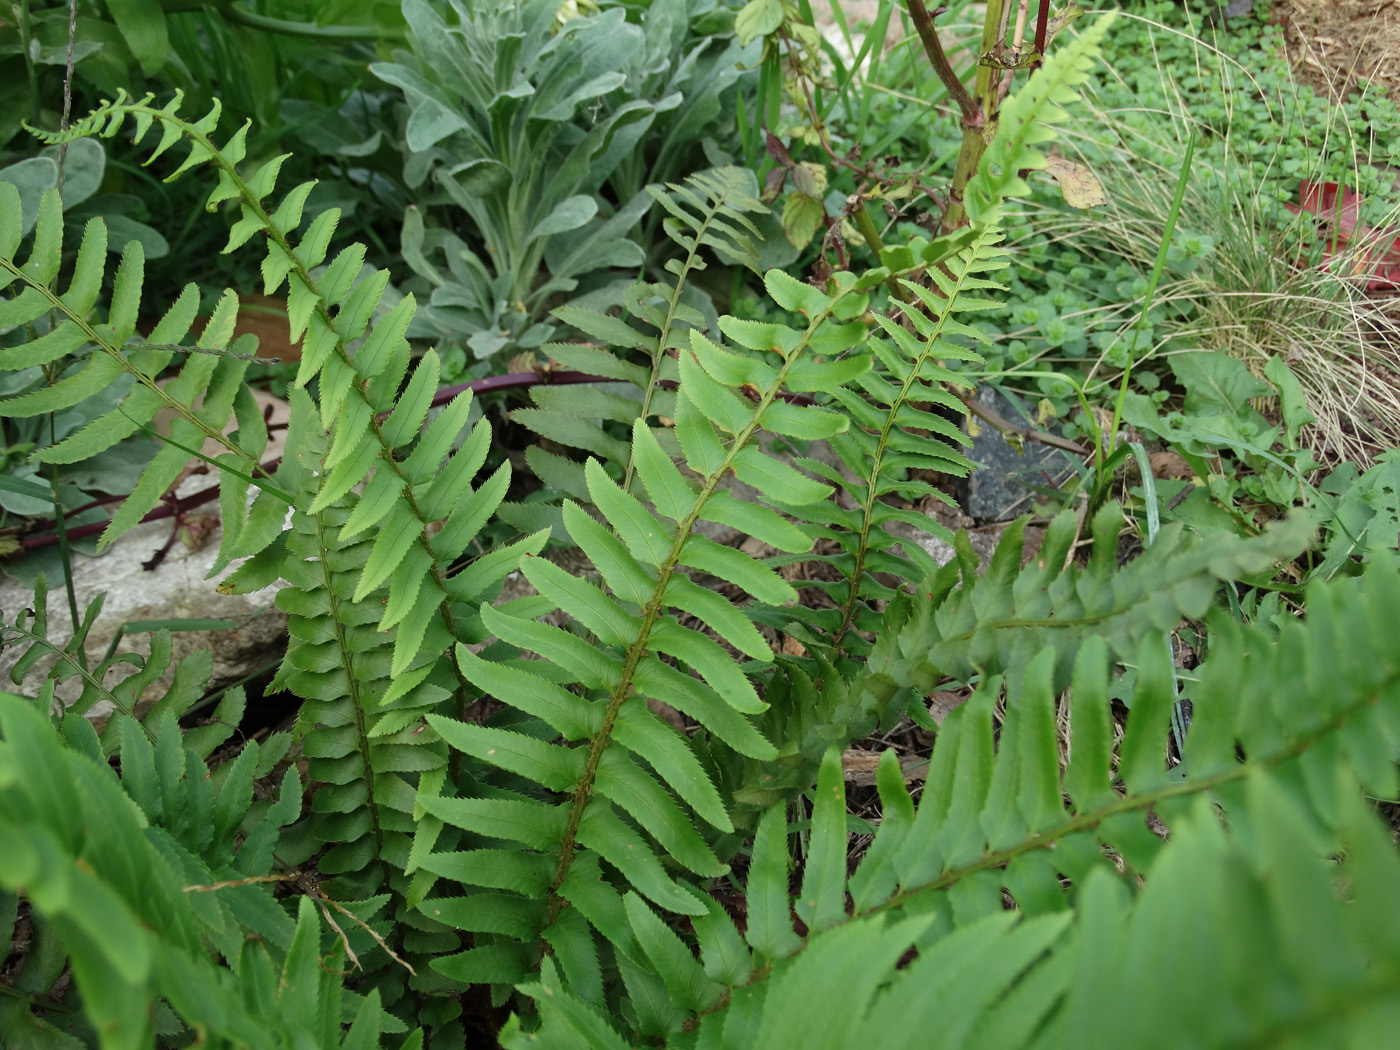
(383, 513)
(1240, 936)
(498, 801)
(145, 886)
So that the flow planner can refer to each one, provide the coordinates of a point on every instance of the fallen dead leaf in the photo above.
(1078, 183)
(942, 701)
(792, 647)
(1168, 465)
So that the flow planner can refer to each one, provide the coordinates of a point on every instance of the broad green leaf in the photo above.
(722, 951)
(756, 521)
(572, 716)
(581, 600)
(644, 536)
(795, 295)
(1088, 780)
(699, 701)
(717, 613)
(406, 420)
(142, 26)
(644, 734)
(628, 579)
(665, 487)
(875, 879)
(736, 567)
(567, 215)
(688, 984)
(712, 400)
(1038, 775)
(532, 824)
(1143, 765)
(634, 791)
(777, 481)
(593, 668)
(524, 873)
(556, 768)
(707, 657)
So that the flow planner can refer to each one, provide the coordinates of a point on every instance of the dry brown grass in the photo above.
(1333, 43)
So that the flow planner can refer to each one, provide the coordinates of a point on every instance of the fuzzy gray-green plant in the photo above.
(498, 803)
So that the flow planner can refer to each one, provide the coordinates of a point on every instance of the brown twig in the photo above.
(308, 885)
(1040, 437)
(972, 115)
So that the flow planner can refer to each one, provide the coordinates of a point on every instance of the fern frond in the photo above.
(605, 780)
(141, 883)
(386, 511)
(604, 811)
(1027, 118)
(103, 360)
(710, 210)
(996, 622)
(368, 426)
(1289, 726)
(896, 434)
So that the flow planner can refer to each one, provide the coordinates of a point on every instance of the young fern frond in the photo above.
(998, 815)
(709, 210)
(886, 403)
(1027, 118)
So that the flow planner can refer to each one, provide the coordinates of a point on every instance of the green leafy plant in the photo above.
(793, 69)
(993, 821)
(254, 52)
(147, 887)
(542, 138)
(500, 798)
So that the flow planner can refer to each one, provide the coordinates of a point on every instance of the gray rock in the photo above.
(176, 589)
(998, 488)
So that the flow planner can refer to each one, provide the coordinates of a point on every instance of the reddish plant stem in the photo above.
(1042, 19)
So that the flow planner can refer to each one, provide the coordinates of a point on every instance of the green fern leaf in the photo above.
(822, 901)
(769, 917)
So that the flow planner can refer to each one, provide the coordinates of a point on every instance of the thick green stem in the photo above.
(974, 141)
(866, 225)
